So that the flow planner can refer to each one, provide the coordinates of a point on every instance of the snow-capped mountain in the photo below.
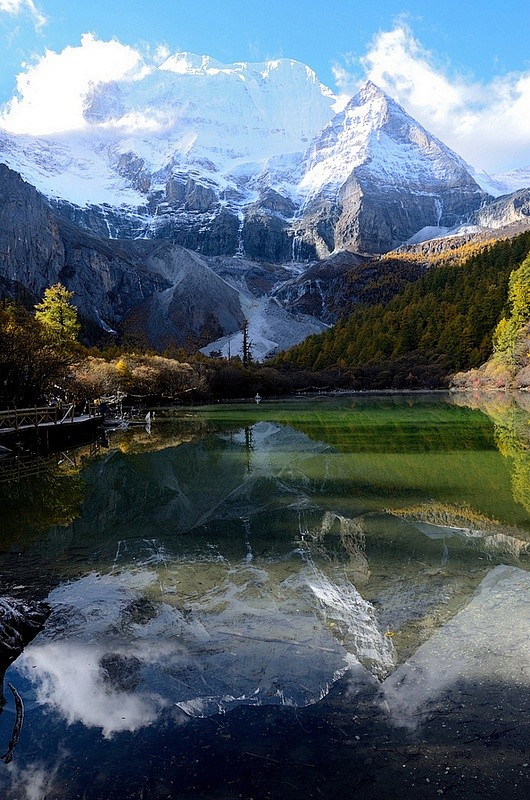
(501, 183)
(375, 132)
(513, 180)
(378, 177)
(250, 170)
(250, 158)
(192, 118)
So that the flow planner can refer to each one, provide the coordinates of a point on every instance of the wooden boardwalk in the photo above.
(17, 419)
(47, 427)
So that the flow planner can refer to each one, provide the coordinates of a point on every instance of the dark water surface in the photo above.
(299, 599)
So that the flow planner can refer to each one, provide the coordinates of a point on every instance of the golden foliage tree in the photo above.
(57, 315)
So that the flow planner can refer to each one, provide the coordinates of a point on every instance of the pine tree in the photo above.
(57, 315)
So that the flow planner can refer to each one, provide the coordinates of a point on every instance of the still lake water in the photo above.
(215, 579)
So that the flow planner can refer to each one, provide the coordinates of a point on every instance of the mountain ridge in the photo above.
(192, 150)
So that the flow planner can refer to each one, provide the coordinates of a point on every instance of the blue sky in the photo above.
(459, 64)
(482, 39)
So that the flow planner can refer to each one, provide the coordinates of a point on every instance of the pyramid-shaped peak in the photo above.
(371, 89)
(370, 93)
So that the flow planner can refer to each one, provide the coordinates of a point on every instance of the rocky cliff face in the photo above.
(505, 210)
(320, 290)
(39, 249)
(331, 288)
(31, 248)
(113, 281)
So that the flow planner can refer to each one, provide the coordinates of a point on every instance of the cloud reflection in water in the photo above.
(120, 649)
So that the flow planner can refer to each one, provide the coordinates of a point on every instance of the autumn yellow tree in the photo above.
(509, 328)
(57, 315)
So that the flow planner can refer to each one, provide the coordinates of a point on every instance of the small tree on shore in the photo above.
(30, 363)
(247, 354)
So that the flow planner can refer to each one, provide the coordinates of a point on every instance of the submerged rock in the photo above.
(20, 622)
(486, 644)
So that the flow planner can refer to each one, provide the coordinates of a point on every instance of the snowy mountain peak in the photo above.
(184, 63)
(369, 92)
(192, 113)
(374, 173)
(376, 105)
(512, 181)
(377, 134)
(370, 105)
(190, 64)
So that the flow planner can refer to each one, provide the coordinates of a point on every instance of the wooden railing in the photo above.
(33, 417)
(15, 469)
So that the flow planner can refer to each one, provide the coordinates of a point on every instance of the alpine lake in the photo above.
(314, 598)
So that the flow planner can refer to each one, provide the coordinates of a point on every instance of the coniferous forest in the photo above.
(439, 324)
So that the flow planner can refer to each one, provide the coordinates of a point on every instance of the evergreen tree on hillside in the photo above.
(57, 315)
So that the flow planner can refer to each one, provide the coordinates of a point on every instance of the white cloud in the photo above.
(19, 6)
(488, 124)
(52, 91)
(35, 780)
(70, 680)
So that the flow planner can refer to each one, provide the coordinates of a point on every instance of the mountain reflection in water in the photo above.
(123, 646)
(258, 559)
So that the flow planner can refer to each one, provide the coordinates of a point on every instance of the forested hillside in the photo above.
(440, 323)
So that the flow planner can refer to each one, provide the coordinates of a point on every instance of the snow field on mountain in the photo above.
(191, 112)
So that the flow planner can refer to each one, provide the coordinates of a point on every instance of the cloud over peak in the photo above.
(53, 90)
(488, 124)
